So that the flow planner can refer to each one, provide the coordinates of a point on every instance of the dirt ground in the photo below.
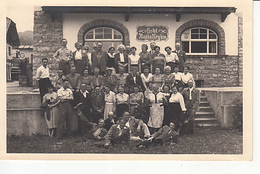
(204, 141)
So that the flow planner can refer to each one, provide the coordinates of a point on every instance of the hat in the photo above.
(99, 43)
(178, 44)
(108, 68)
(94, 45)
(152, 43)
(121, 46)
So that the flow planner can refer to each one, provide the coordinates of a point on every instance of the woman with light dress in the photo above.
(156, 100)
(146, 77)
(122, 102)
(171, 58)
(176, 108)
(157, 79)
(110, 59)
(51, 105)
(186, 76)
(110, 102)
(134, 60)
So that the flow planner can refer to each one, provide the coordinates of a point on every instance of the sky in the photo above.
(22, 16)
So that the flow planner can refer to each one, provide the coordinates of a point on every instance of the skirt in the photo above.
(52, 119)
(174, 114)
(120, 109)
(108, 108)
(156, 116)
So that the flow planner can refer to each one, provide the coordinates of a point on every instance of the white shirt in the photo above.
(146, 80)
(173, 57)
(122, 59)
(134, 59)
(78, 55)
(178, 98)
(42, 72)
(89, 58)
(178, 75)
(65, 93)
(84, 93)
(186, 77)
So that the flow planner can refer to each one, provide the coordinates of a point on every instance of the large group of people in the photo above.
(124, 96)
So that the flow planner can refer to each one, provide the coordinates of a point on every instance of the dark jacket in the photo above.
(117, 60)
(99, 62)
(108, 124)
(165, 134)
(130, 83)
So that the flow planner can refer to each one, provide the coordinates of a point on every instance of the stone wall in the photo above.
(240, 49)
(47, 35)
(215, 71)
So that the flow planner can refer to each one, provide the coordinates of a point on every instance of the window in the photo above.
(199, 41)
(109, 37)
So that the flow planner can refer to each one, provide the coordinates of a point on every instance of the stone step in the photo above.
(204, 116)
(205, 109)
(207, 125)
(206, 119)
(203, 98)
(205, 113)
(204, 104)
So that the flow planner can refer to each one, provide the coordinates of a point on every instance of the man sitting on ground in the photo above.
(138, 129)
(110, 121)
(118, 133)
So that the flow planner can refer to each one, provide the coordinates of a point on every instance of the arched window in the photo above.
(199, 41)
(109, 37)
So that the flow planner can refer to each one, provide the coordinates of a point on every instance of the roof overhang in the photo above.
(12, 37)
(127, 11)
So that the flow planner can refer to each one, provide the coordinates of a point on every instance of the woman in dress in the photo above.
(136, 100)
(171, 58)
(145, 58)
(85, 78)
(110, 59)
(146, 77)
(51, 103)
(167, 94)
(186, 77)
(88, 53)
(158, 60)
(156, 100)
(110, 102)
(122, 102)
(178, 75)
(176, 108)
(157, 79)
(168, 77)
(134, 59)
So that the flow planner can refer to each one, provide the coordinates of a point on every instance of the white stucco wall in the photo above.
(73, 22)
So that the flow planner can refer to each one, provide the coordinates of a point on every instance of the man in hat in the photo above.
(64, 56)
(99, 59)
(109, 79)
(181, 56)
(121, 58)
(191, 100)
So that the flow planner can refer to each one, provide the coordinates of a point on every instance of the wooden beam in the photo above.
(178, 17)
(126, 17)
(224, 16)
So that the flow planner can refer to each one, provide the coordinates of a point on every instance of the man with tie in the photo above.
(99, 59)
(191, 100)
(181, 56)
(133, 79)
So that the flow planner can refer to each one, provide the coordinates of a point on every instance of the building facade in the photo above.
(212, 37)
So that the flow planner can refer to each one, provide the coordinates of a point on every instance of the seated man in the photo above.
(138, 129)
(109, 121)
(118, 133)
(96, 130)
(164, 135)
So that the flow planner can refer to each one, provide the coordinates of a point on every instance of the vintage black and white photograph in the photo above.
(124, 80)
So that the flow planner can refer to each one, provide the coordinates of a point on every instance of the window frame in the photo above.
(208, 40)
(102, 40)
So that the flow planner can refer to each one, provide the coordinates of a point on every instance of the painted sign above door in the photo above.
(152, 33)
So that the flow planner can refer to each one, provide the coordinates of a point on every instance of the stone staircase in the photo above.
(205, 117)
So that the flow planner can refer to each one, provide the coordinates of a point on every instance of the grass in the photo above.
(204, 141)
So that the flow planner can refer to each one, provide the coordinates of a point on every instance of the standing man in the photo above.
(133, 79)
(73, 78)
(68, 121)
(127, 49)
(191, 99)
(64, 56)
(152, 46)
(99, 59)
(98, 103)
(42, 76)
(80, 58)
(181, 56)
